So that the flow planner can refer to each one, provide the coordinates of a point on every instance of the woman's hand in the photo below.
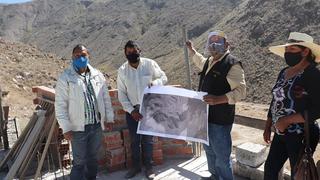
(267, 131)
(282, 123)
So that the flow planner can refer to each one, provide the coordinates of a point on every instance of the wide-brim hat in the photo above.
(301, 39)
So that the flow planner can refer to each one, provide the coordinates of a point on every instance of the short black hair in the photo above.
(131, 44)
(79, 47)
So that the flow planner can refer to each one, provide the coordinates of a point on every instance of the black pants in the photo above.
(287, 146)
(136, 141)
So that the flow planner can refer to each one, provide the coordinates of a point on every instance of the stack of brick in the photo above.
(45, 94)
(116, 151)
(176, 148)
(119, 119)
(114, 155)
(157, 155)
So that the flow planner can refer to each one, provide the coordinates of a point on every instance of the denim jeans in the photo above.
(287, 146)
(219, 150)
(136, 141)
(85, 146)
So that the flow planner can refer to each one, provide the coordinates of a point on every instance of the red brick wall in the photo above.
(115, 153)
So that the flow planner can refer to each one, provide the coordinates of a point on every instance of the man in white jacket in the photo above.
(83, 108)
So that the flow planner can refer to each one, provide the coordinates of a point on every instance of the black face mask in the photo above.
(292, 59)
(133, 58)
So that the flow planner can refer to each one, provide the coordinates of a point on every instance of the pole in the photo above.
(186, 56)
(196, 147)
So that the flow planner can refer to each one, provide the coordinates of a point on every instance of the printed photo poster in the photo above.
(174, 113)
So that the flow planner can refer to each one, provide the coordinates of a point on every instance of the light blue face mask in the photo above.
(80, 62)
(217, 47)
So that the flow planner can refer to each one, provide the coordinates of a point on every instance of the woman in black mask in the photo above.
(296, 92)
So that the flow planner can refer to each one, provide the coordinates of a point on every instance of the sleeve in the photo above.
(236, 79)
(61, 104)
(122, 94)
(313, 89)
(198, 60)
(159, 76)
(107, 100)
(269, 115)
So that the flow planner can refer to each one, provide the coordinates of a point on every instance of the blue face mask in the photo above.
(80, 62)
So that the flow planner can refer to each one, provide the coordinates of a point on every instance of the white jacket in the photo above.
(69, 99)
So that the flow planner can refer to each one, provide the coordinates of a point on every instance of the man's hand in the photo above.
(190, 47)
(213, 100)
(136, 115)
(68, 135)
(108, 126)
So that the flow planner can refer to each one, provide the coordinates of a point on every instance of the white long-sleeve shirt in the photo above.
(235, 77)
(132, 81)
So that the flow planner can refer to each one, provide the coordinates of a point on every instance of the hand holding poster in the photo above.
(174, 113)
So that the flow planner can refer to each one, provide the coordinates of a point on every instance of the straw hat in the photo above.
(296, 38)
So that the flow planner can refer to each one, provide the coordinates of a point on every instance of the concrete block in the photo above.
(251, 154)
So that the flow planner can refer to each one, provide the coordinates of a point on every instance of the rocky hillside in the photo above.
(23, 66)
(105, 25)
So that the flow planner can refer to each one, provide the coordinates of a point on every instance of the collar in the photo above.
(224, 55)
(92, 71)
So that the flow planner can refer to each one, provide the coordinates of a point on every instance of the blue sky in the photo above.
(13, 1)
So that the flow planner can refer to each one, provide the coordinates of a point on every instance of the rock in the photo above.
(14, 80)
(251, 154)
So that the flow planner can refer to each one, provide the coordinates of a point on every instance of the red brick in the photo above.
(170, 151)
(116, 167)
(120, 112)
(43, 91)
(116, 103)
(112, 137)
(184, 150)
(115, 145)
(157, 153)
(158, 161)
(177, 141)
(113, 93)
(115, 152)
(157, 145)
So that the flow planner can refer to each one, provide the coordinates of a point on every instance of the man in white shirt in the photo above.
(133, 77)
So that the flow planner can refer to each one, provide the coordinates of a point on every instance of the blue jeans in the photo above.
(85, 146)
(219, 150)
(136, 141)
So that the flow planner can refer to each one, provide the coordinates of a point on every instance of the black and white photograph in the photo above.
(174, 113)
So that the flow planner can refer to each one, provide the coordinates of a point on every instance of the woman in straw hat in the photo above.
(296, 91)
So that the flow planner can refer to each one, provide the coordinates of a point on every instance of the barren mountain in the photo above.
(23, 66)
(105, 25)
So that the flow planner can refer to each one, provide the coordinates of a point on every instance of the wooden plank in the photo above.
(35, 132)
(45, 149)
(44, 134)
(19, 142)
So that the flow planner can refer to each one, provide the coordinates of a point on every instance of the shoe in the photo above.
(132, 172)
(207, 178)
(150, 174)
